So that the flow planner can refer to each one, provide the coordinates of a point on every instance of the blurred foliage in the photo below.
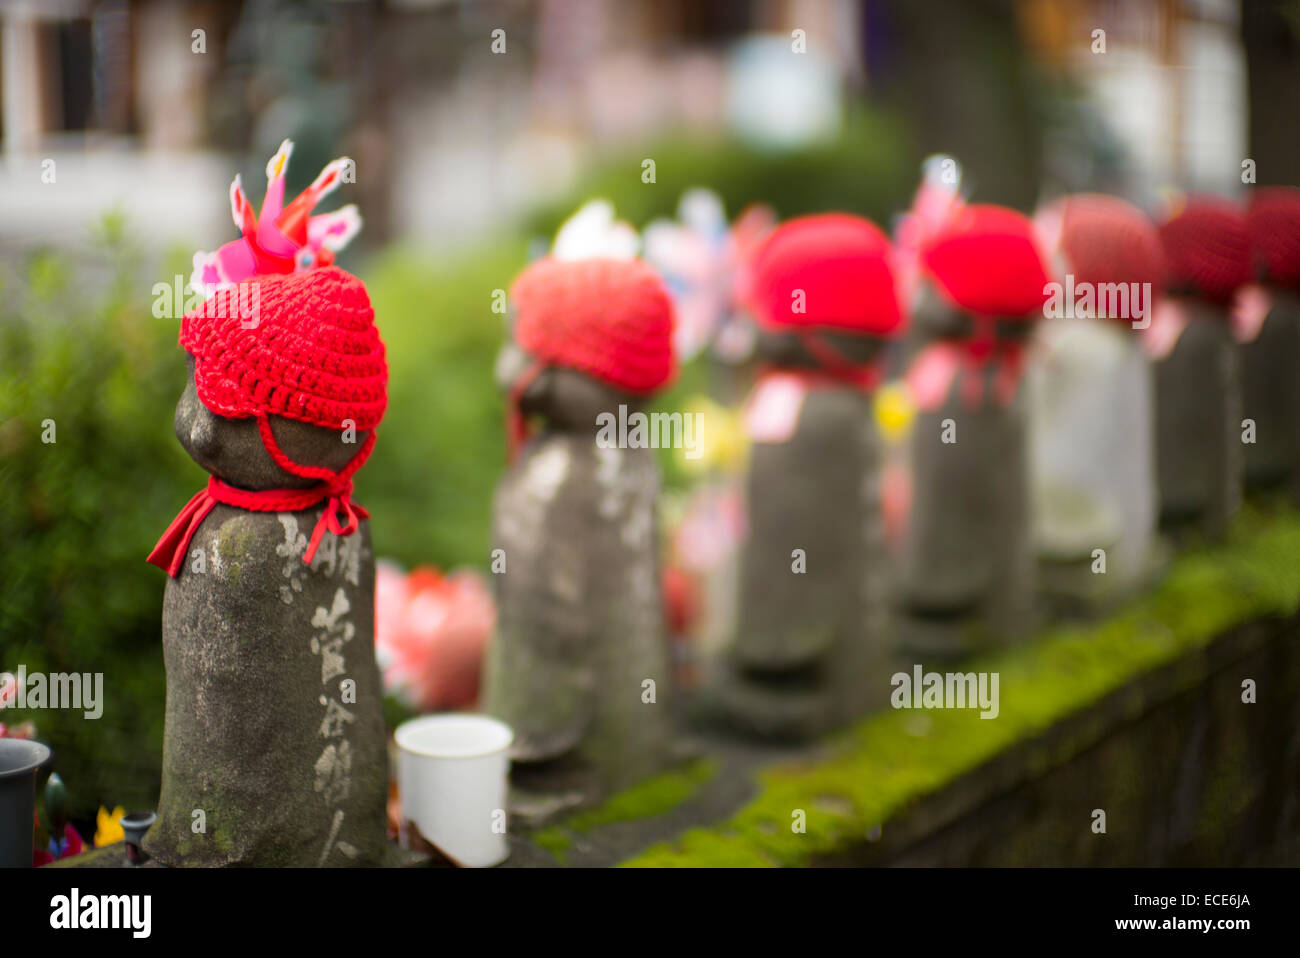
(78, 515)
(441, 445)
(871, 169)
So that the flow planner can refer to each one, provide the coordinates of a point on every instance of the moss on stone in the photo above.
(655, 796)
(235, 540)
(109, 856)
(895, 757)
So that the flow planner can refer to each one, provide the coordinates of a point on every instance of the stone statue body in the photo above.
(1270, 385)
(966, 570)
(579, 666)
(1198, 423)
(274, 731)
(1092, 436)
(812, 635)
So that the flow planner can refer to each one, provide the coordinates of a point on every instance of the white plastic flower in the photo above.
(594, 233)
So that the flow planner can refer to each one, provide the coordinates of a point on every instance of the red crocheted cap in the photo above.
(609, 318)
(1107, 240)
(985, 260)
(1207, 247)
(842, 265)
(311, 352)
(1274, 223)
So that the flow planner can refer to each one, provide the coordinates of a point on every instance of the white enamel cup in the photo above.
(451, 772)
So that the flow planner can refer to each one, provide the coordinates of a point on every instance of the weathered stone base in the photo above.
(1071, 590)
(1186, 773)
(796, 707)
(114, 856)
(777, 709)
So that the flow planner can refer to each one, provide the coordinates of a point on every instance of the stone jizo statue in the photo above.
(274, 749)
(967, 562)
(1092, 407)
(1199, 427)
(1267, 326)
(579, 666)
(812, 644)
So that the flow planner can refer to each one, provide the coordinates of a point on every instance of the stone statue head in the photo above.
(232, 449)
(565, 399)
(934, 317)
(790, 350)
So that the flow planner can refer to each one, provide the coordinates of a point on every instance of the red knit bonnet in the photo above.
(832, 272)
(282, 333)
(1207, 247)
(1274, 223)
(310, 353)
(985, 261)
(1106, 240)
(609, 318)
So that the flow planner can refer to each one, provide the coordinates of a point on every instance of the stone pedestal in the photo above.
(1198, 424)
(967, 564)
(275, 740)
(579, 666)
(274, 750)
(1270, 386)
(811, 649)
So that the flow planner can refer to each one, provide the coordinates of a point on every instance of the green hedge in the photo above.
(870, 169)
(78, 515)
(441, 446)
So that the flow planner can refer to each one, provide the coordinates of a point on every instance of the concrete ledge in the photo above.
(1139, 715)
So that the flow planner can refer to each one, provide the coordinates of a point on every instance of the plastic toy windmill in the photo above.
(700, 259)
(691, 255)
(938, 199)
(279, 239)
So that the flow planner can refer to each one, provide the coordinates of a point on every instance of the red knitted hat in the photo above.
(283, 333)
(609, 318)
(842, 266)
(310, 351)
(1207, 247)
(985, 260)
(1274, 223)
(1107, 240)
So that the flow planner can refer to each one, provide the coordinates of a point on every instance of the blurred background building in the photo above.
(456, 127)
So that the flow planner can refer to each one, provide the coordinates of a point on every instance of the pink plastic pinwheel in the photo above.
(279, 239)
(937, 200)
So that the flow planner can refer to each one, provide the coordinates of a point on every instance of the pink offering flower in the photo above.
(431, 632)
(1168, 320)
(747, 233)
(1249, 310)
(711, 529)
(21, 730)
